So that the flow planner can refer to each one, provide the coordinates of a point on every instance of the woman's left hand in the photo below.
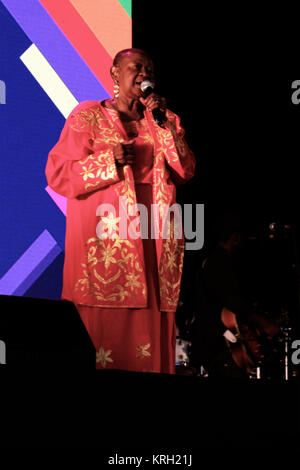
(154, 101)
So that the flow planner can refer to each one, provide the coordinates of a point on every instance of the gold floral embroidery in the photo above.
(101, 130)
(170, 270)
(108, 136)
(163, 192)
(173, 227)
(92, 185)
(111, 226)
(172, 260)
(147, 138)
(113, 114)
(86, 119)
(127, 186)
(172, 142)
(103, 356)
(87, 172)
(108, 252)
(85, 282)
(105, 281)
(118, 294)
(92, 260)
(99, 280)
(101, 165)
(142, 351)
(132, 281)
(111, 283)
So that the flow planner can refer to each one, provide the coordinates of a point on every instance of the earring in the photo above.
(116, 90)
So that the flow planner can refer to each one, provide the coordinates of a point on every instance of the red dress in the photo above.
(136, 339)
(126, 289)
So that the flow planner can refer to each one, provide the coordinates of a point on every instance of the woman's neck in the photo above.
(128, 109)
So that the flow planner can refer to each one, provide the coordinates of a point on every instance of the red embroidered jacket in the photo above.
(108, 270)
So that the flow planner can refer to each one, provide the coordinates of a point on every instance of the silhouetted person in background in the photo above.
(218, 288)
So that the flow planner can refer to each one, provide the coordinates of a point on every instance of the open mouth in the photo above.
(138, 87)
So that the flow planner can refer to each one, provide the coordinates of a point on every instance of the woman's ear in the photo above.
(114, 74)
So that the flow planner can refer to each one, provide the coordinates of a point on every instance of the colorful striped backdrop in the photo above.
(54, 54)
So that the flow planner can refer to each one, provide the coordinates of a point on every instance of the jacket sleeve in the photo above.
(74, 166)
(179, 157)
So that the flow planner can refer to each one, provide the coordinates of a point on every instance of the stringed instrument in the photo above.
(245, 341)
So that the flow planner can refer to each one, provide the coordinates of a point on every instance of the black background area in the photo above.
(227, 71)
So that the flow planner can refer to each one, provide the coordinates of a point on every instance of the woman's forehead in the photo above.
(136, 57)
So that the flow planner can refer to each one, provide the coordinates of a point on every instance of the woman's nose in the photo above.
(145, 71)
(144, 75)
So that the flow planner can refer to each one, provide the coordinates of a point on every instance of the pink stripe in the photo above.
(82, 38)
(108, 20)
(59, 200)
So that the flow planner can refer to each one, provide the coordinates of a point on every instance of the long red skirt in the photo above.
(134, 339)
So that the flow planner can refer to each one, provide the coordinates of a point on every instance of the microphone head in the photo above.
(147, 87)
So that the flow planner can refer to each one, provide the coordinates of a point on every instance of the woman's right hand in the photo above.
(124, 152)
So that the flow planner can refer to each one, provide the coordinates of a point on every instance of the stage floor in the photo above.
(119, 410)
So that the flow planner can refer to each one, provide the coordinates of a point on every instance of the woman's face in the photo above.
(131, 71)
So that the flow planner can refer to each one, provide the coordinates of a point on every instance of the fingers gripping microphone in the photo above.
(147, 88)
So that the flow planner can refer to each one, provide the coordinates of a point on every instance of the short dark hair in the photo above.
(121, 54)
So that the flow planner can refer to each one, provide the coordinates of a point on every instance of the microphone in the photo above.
(147, 88)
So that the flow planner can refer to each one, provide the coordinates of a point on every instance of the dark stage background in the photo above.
(227, 70)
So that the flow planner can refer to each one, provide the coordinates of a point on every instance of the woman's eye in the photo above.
(139, 67)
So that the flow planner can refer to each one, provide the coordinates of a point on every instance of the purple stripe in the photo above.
(30, 265)
(38, 25)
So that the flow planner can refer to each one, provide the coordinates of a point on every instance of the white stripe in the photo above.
(48, 79)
